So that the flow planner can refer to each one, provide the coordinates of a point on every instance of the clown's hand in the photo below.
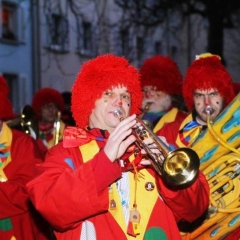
(120, 139)
(154, 150)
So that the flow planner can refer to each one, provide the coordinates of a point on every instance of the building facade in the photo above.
(16, 50)
(43, 43)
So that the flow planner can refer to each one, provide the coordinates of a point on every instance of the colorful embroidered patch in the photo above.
(4, 153)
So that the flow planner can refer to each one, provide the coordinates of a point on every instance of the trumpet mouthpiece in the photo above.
(208, 110)
(117, 113)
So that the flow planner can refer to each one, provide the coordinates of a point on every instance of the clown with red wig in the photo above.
(207, 82)
(161, 82)
(207, 91)
(18, 156)
(48, 105)
(92, 185)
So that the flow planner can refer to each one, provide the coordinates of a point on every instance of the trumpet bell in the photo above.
(180, 167)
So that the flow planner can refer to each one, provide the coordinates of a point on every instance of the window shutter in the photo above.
(21, 23)
(65, 29)
(47, 29)
(1, 18)
(23, 90)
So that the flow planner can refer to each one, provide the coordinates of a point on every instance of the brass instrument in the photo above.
(145, 110)
(57, 125)
(218, 149)
(221, 136)
(27, 122)
(178, 167)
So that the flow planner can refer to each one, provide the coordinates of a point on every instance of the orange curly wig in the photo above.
(98, 75)
(205, 73)
(45, 96)
(163, 73)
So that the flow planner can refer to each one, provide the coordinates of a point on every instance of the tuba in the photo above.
(27, 122)
(219, 151)
(178, 167)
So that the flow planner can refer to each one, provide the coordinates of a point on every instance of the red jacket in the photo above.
(74, 197)
(21, 219)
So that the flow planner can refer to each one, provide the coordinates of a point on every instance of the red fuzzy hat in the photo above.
(98, 75)
(236, 86)
(46, 96)
(4, 86)
(6, 108)
(163, 73)
(207, 72)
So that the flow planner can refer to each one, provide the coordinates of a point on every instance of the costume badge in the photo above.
(112, 204)
(149, 186)
(134, 216)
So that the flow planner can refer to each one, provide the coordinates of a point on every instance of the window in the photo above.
(85, 39)
(124, 36)
(173, 51)
(140, 48)
(9, 21)
(158, 48)
(58, 32)
(87, 36)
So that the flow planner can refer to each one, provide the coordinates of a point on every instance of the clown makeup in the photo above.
(124, 97)
(203, 98)
(102, 116)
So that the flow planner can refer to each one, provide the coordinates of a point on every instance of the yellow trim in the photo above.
(145, 199)
(89, 150)
(166, 118)
(6, 138)
(186, 120)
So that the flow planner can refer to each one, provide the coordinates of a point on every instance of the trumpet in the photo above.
(178, 167)
(57, 125)
(145, 110)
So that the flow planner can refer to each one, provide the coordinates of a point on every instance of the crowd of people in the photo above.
(85, 174)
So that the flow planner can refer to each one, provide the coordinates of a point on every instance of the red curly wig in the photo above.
(45, 96)
(98, 75)
(4, 86)
(205, 73)
(6, 108)
(163, 73)
(236, 86)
